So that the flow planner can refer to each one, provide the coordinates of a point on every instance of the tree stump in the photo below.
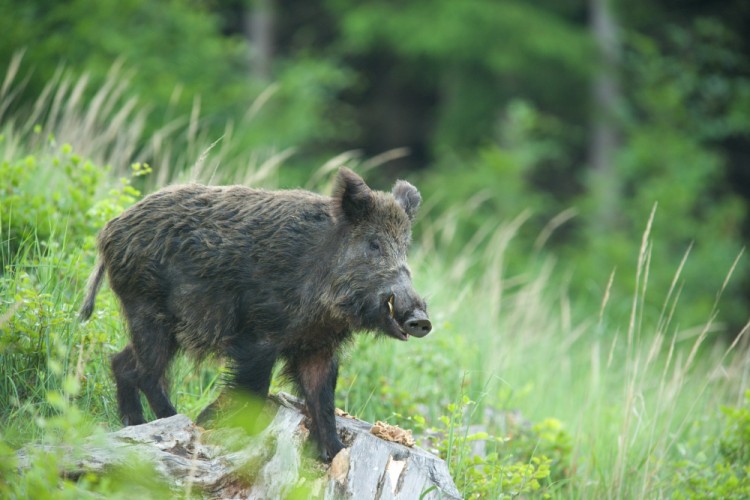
(228, 463)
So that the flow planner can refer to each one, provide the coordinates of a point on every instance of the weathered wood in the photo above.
(228, 463)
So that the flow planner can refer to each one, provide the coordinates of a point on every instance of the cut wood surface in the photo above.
(227, 463)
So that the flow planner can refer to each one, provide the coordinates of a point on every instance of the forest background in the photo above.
(586, 174)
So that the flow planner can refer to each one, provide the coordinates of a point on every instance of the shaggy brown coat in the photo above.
(257, 276)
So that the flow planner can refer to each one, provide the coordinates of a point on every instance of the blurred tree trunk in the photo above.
(605, 134)
(259, 30)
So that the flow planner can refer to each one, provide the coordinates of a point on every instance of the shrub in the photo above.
(726, 476)
(47, 252)
(520, 459)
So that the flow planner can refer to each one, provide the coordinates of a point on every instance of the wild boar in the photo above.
(258, 276)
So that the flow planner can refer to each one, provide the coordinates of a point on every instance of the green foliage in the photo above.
(522, 461)
(8, 468)
(684, 93)
(694, 81)
(471, 55)
(735, 440)
(194, 81)
(48, 250)
(43, 194)
(502, 182)
(140, 33)
(301, 108)
(54, 198)
(728, 474)
(594, 221)
(52, 387)
(64, 429)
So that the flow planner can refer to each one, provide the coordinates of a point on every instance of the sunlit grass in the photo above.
(628, 393)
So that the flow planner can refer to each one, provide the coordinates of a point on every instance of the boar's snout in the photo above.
(406, 315)
(418, 324)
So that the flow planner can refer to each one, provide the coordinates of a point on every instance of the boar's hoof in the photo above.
(331, 451)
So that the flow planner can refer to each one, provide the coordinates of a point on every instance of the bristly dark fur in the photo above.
(256, 276)
(92, 287)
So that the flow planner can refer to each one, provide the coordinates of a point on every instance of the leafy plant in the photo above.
(47, 252)
(45, 198)
(526, 458)
(728, 474)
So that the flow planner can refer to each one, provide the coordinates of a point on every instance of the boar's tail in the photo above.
(94, 283)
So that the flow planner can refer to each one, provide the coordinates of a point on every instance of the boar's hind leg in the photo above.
(153, 346)
(126, 378)
(316, 376)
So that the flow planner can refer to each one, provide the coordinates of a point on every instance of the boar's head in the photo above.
(372, 279)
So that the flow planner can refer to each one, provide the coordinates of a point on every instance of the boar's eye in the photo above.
(375, 246)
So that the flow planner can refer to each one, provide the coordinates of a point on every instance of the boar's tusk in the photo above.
(390, 306)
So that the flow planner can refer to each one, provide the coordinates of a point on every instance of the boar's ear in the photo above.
(353, 196)
(408, 197)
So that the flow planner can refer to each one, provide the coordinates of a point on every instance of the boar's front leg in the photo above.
(315, 375)
(251, 368)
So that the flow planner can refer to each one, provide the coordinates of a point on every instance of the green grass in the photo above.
(613, 403)
(631, 395)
